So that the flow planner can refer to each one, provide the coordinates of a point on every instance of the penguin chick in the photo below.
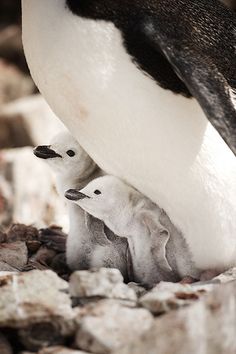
(88, 246)
(158, 250)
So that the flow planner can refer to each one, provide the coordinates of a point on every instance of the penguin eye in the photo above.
(97, 192)
(71, 153)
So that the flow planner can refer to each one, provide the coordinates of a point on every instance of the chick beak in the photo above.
(74, 194)
(44, 152)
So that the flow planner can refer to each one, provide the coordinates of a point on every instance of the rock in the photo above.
(35, 202)
(170, 296)
(229, 275)
(43, 256)
(207, 327)
(28, 121)
(13, 132)
(61, 350)
(14, 254)
(11, 48)
(37, 118)
(59, 266)
(41, 335)
(35, 297)
(33, 246)
(29, 234)
(106, 326)
(13, 84)
(6, 196)
(104, 283)
(3, 237)
(54, 238)
(4, 267)
(139, 290)
(20, 232)
(5, 347)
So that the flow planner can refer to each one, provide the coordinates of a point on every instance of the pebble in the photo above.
(104, 283)
(107, 326)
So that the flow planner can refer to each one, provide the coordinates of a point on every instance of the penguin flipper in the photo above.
(159, 239)
(200, 70)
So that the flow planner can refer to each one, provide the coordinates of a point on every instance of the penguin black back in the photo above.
(186, 46)
(206, 25)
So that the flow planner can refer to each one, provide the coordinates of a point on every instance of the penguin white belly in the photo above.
(159, 142)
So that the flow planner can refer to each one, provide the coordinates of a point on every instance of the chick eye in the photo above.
(97, 192)
(71, 153)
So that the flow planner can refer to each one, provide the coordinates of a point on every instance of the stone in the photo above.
(37, 118)
(170, 296)
(35, 297)
(28, 121)
(229, 275)
(11, 48)
(14, 254)
(60, 350)
(41, 335)
(139, 290)
(104, 283)
(20, 232)
(13, 84)
(5, 347)
(13, 132)
(43, 256)
(54, 238)
(28, 192)
(28, 234)
(208, 326)
(107, 325)
(4, 267)
(6, 196)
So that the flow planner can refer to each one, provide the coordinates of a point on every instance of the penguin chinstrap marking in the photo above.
(90, 244)
(118, 100)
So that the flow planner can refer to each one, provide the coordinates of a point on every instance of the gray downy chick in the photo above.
(158, 250)
(89, 243)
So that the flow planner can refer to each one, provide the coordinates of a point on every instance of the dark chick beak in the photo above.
(44, 152)
(74, 194)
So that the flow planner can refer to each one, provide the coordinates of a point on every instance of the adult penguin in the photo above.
(121, 75)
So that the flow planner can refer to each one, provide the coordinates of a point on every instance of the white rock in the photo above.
(139, 290)
(35, 297)
(104, 282)
(169, 296)
(206, 327)
(35, 199)
(229, 275)
(29, 192)
(107, 326)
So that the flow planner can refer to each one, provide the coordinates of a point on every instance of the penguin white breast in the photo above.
(158, 142)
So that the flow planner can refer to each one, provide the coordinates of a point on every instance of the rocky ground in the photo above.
(44, 308)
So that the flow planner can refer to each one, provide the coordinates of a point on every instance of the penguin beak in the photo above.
(44, 152)
(74, 194)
